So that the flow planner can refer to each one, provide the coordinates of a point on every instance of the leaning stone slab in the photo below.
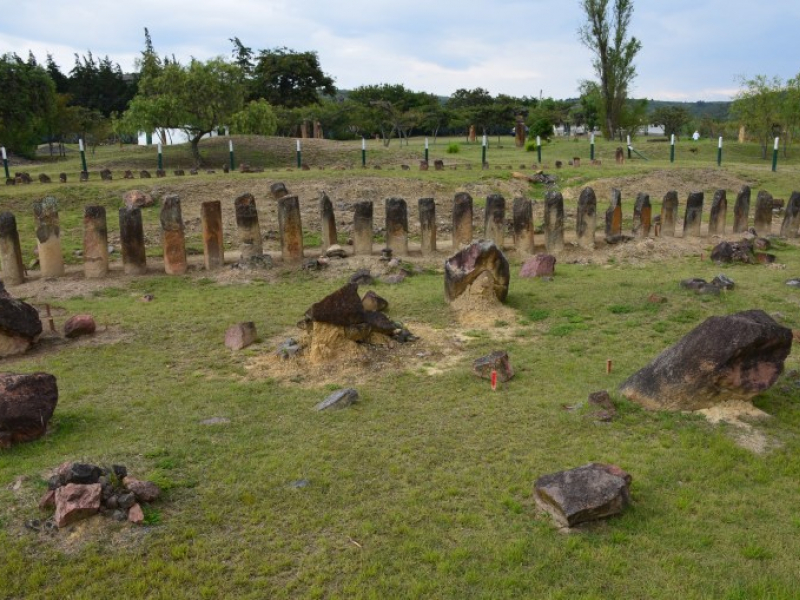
(726, 358)
(339, 399)
(587, 493)
(26, 404)
(496, 361)
(464, 267)
(241, 335)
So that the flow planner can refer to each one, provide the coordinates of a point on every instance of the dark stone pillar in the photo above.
(554, 221)
(328, 221)
(642, 216)
(763, 216)
(397, 226)
(278, 190)
(131, 234)
(791, 220)
(291, 229)
(10, 251)
(362, 228)
(427, 225)
(614, 215)
(523, 226)
(95, 242)
(247, 224)
(48, 235)
(741, 210)
(669, 213)
(494, 221)
(462, 220)
(694, 215)
(719, 213)
(213, 248)
(586, 219)
(173, 238)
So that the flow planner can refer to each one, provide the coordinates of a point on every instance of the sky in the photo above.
(691, 49)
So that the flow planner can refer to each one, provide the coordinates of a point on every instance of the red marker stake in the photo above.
(608, 366)
(494, 380)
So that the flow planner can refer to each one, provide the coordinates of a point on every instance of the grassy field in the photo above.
(423, 489)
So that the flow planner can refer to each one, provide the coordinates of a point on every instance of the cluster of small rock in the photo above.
(80, 490)
(714, 287)
(748, 251)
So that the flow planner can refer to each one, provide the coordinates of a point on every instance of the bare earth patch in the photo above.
(737, 413)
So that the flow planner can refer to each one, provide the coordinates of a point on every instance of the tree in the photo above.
(197, 98)
(671, 118)
(27, 95)
(284, 77)
(606, 35)
(257, 118)
(758, 107)
(391, 108)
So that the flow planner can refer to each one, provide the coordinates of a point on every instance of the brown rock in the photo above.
(75, 501)
(145, 491)
(136, 515)
(342, 307)
(137, 199)
(48, 500)
(541, 265)
(79, 325)
(241, 335)
(20, 326)
(466, 266)
(496, 361)
(27, 403)
(725, 358)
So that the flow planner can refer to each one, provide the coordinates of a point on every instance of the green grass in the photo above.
(423, 489)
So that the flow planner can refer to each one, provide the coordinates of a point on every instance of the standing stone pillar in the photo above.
(213, 248)
(614, 215)
(472, 136)
(10, 251)
(642, 216)
(278, 190)
(327, 221)
(719, 213)
(669, 213)
(291, 229)
(586, 219)
(247, 224)
(554, 221)
(791, 220)
(494, 221)
(694, 215)
(427, 225)
(741, 210)
(95, 242)
(131, 235)
(462, 220)
(523, 225)
(45, 214)
(397, 226)
(362, 227)
(763, 216)
(172, 236)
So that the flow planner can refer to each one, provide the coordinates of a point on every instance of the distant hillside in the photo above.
(716, 110)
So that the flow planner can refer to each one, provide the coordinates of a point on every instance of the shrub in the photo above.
(453, 148)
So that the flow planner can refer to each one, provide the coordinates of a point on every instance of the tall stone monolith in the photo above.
(669, 213)
(586, 218)
(718, 214)
(614, 215)
(327, 220)
(462, 220)
(554, 221)
(291, 229)
(397, 226)
(48, 236)
(213, 241)
(523, 226)
(362, 227)
(10, 250)
(250, 244)
(692, 221)
(494, 222)
(172, 236)
(642, 216)
(763, 216)
(131, 239)
(741, 210)
(791, 220)
(427, 225)
(95, 242)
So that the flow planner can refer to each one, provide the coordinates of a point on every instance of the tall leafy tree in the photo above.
(758, 107)
(671, 118)
(605, 33)
(284, 77)
(27, 95)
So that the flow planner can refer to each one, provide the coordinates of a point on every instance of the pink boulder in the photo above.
(136, 514)
(145, 491)
(240, 336)
(75, 501)
(79, 325)
(541, 265)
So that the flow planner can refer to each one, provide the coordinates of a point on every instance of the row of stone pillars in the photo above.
(132, 240)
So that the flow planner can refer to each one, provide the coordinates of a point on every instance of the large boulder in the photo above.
(20, 326)
(586, 493)
(463, 268)
(725, 358)
(540, 265)
(342, 307)
(26, 404)
(76, 501)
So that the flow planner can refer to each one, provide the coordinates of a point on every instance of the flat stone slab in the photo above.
(339, 399)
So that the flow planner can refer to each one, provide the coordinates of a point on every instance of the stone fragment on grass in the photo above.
(75, 501)
(541, 265)
(79, 325)
(371, 301)
(794, 282)
(497, 361)
(587, 493)
(338, 399)
(723, 282)
(136, 514)
(145, 491)
(733, 357)
(240, 336)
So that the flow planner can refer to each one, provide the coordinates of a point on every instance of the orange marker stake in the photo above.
(494, 380)
(608, 366)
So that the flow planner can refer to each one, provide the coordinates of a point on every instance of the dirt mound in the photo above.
(478, 306)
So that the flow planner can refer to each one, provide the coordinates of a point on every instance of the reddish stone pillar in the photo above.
(10, 251)
(642, 216)
(291, 229)
(614, 215)
(719, 213)
(669, 212)
(213, 249)
(247, 224)
(462, 220)
(51, 261)
(131, 233)
(173, 238)
(95, 242)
